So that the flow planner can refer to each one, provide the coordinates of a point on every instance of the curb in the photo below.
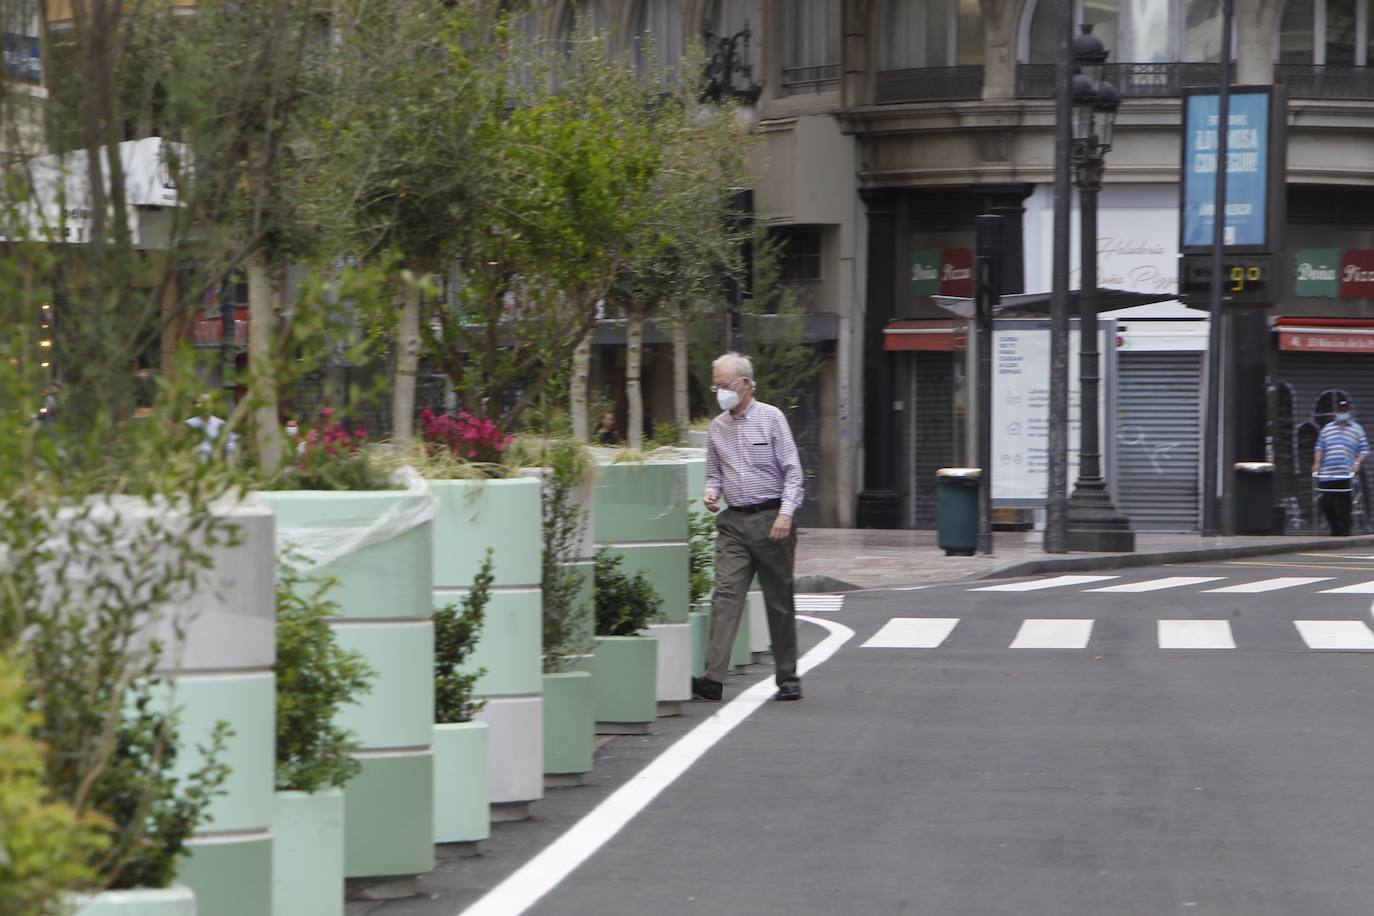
(1191, 555)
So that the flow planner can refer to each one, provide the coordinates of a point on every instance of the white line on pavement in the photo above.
(1036, 584)
(1196, 634)
(1157, 585)
(1335, 634)
(1359, 588)
(1053, 634)
(912, 633)
(523, 888)
(1265, 585)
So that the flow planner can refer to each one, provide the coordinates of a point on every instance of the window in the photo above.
(19, 25)
(1134, 31)
(1325, 32)
(728, 18)
(930, 33)
(800, 254)
(581, 16)
(810, 36)
(658, 24)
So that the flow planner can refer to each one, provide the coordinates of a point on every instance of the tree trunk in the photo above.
(407, 365)
(634, 394)
(263, 393)
(581, 381)
(682, 408)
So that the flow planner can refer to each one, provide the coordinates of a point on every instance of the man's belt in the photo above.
(760, 507)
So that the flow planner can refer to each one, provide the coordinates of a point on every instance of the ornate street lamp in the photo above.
(1093, 522)
(728, 60)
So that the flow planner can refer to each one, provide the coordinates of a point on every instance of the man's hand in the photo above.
(782, 526)
(711, 500)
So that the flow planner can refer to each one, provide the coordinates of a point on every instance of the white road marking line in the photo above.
(912, 633)
(1196, 634)
(1053, 634)
(818, 603)
(1266, 585)
(1157, 585)
(1359, 588)
(524, 887)
(1036, 585)
(1335, 634)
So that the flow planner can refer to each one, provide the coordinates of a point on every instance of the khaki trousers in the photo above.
(743, 548)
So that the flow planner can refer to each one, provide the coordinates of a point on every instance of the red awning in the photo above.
(1326, 335)
(938, 336)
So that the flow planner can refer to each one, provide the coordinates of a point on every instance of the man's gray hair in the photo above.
(741, 364)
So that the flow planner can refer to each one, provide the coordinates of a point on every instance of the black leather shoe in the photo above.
(790, 692)
(707, 689)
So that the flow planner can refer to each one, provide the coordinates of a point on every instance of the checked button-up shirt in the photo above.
(751, 458)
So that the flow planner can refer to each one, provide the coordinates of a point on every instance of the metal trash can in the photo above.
(956, 510)
(1254, 497)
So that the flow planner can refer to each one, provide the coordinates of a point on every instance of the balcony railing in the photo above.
(1036, 81)
(930, 84)
(822, 78)
(1310, 81)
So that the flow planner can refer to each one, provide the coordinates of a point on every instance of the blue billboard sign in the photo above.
(1247, 169)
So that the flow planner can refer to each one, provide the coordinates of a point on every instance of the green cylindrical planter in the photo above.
(177, 900)
(462, 810)
(641, 515)
(308, 853)
(739, 652)
(569, 726)
(506, 516)
(700, 622)
(384, 575)
(625, 684)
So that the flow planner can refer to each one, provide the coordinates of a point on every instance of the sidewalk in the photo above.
(876, 558)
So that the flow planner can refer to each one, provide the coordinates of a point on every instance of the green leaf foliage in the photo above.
(625, 604)
(316, 679)
(456, 629)
(701, 545)
(565, 522)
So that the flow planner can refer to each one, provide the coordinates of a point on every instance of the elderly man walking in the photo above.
(752, 461)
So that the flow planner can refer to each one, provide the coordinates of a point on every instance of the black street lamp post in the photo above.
(728, 58)
(1093, 522)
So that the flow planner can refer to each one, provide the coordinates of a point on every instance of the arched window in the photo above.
(658, 23)
(1324, 32)
(1134, 31)
(930, 33)
(809, 35)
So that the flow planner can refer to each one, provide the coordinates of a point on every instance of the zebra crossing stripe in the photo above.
(1359, 588)
(1196, 634)
(822, 602)
(1266, 585)
(1053, 634)
(1157, 585)
(1036, 585)
(1335, 634)
(912, 633)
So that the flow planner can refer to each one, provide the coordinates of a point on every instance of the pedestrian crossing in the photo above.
(1077, 633)
(818, 603)
(1203, 585)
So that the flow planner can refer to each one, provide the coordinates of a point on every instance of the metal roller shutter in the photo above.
(1158, 431)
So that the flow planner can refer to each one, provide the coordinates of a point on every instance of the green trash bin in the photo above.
(1254, 497)
(956, 510)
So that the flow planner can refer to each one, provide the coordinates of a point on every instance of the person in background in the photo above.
(605, 430)
(1341, 449)
(752, 461)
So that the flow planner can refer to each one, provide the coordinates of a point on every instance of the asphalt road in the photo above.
(1038, 746)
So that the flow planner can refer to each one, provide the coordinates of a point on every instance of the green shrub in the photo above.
(624, 603)
(45, 847)
(456, 628)
(701, 554)
(565, 521)
(315, 679)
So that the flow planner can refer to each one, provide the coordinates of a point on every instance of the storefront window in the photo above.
(930, 33)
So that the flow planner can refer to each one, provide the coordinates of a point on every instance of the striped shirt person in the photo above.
(1341, 449)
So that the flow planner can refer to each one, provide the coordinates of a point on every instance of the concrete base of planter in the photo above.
(760, 640)
(515, 749)
(445, 851)
(569, 725)
(564, 780)
(177, 900)
(308, 853)
(509, 812)
(666, 709)
(673, 678)
(626, 677)
(700, 624)
(739, 652)
(382, 888)
(460, 783)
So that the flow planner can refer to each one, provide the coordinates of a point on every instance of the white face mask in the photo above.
(727, 399)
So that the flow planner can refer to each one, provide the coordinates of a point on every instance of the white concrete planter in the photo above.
(308, 853)
(515, 754)
(759, 641)
(674, 676)
(177, 900)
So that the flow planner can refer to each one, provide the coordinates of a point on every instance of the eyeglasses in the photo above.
(717, 388)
